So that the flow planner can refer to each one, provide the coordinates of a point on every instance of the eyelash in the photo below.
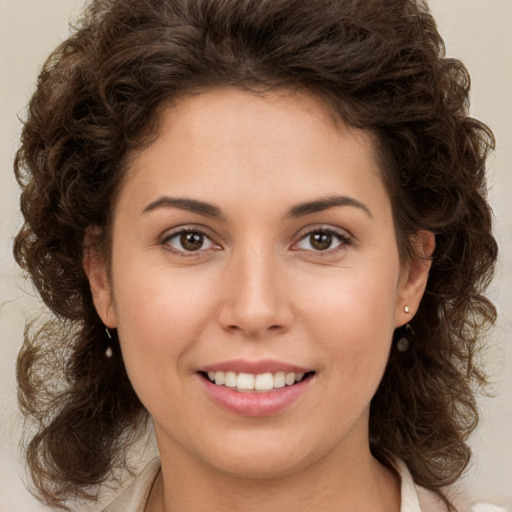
(186, 231)
(342, 238)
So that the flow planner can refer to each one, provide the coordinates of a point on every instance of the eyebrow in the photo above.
(212, 211)
(325, 203)
(189, 205)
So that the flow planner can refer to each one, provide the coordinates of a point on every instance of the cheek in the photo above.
(160, 318)
(354, 299)
(352, 319)
(158, 298)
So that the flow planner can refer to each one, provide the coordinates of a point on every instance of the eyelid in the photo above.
(188, 228)
(342, 234)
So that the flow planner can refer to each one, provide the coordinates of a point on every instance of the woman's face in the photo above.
(253, 243)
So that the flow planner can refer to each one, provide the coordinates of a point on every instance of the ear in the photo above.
(414, 276)
(96, 271)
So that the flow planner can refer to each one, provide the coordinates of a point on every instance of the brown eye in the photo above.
(192, 241)
(323, 241)
(187, 241)
(320, 240)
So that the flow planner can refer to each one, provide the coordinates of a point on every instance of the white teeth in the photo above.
(279, 379)
(290, 379)
(245, 381)
(264, 382)
(250, 382)
(230, 380)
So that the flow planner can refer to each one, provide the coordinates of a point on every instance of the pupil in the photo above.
(191, 241)
(321, 241)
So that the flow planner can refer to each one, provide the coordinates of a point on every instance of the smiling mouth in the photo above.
(254, 383)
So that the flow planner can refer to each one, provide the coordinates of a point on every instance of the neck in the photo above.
(349, 482)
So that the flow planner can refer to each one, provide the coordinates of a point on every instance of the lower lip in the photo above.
(255, 404)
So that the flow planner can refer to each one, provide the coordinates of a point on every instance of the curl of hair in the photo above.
(379, 66)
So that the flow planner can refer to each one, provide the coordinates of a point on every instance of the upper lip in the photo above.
(254, 367)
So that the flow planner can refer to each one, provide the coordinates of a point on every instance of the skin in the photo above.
(256, 289)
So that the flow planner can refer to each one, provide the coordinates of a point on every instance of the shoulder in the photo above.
(429, 502)
(418, 499)
(488, 507)
(135, 496)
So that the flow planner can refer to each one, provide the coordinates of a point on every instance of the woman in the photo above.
(263, 225)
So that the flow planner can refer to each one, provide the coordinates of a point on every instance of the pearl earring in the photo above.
(407, 309)
(108, 352)
(402, 345)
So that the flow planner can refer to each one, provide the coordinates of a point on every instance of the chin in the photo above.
(262, 468)
(262, 458)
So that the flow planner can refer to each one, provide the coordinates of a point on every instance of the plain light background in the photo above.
(476, 31)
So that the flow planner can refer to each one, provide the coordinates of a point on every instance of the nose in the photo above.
(255, 299)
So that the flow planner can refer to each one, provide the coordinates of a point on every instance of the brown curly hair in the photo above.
(381, 67)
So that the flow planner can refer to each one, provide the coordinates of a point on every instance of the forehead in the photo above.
(260, 141)
(256, 109)
(255, 116)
